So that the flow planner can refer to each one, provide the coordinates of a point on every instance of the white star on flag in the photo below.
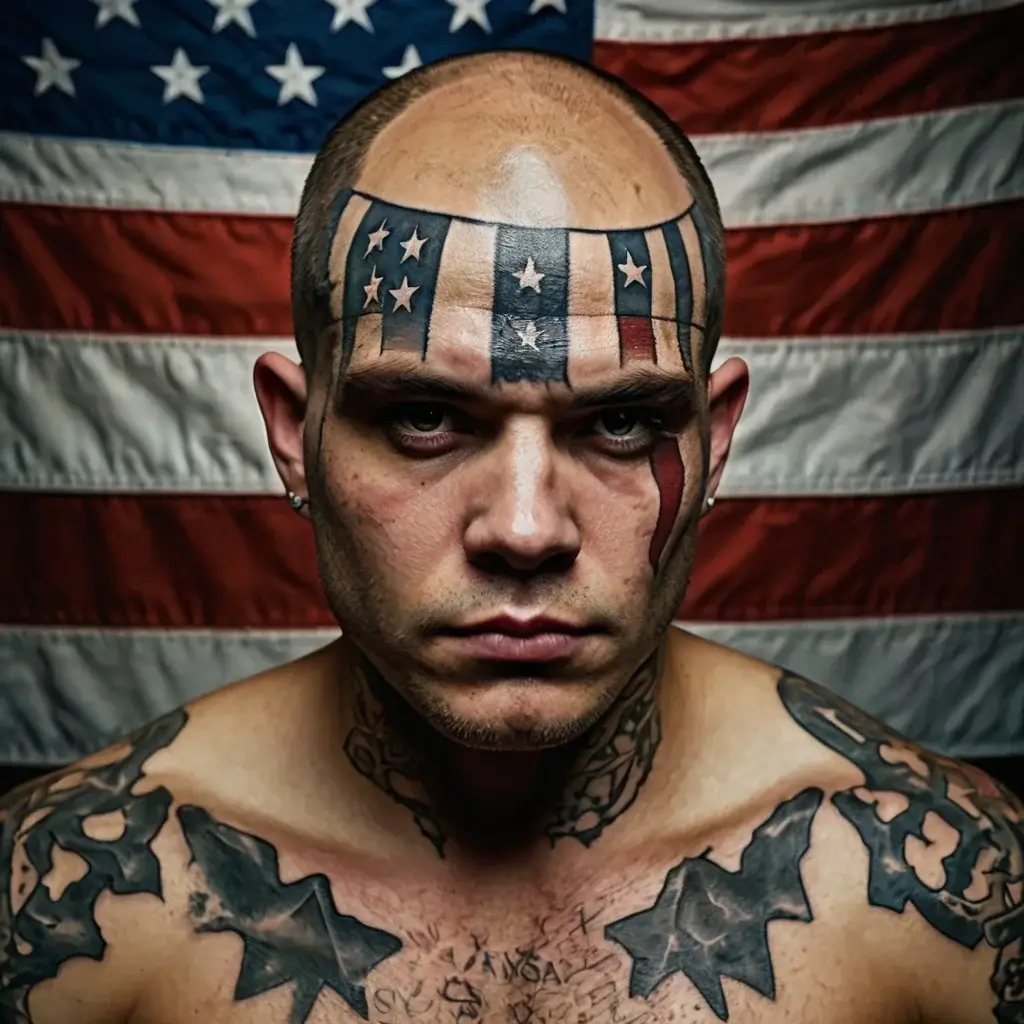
(52, 69)
(410, 60)
(403, 296)
(529, 335)
(351, 10)
(469, 10)
(110, 9)
(377, 238)
(539, 5)
(528, 276)
(632, 271)
(295, 77)
(180, 77)
(234, 12)
(412, 246)
(372, 289)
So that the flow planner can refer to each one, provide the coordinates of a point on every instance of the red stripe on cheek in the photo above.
(636, 339)
(669, 475)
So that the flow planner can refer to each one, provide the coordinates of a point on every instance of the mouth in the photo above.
(539, 638)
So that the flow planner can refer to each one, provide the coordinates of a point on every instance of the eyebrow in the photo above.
(635, 387)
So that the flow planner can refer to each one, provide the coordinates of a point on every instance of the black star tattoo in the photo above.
(711, 923)
(291, 932)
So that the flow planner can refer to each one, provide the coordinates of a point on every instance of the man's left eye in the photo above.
(623, 423)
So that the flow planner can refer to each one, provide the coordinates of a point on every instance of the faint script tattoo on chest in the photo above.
(971, 889)
(292, 933)
(39, 931)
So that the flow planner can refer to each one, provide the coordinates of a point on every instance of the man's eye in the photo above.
(420, 418)
(618, 422)
(626, 424)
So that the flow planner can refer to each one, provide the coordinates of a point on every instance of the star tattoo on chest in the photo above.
(709, 923)
(292, 932)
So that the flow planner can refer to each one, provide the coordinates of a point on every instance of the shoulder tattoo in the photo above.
(979, 819)
(40, 932)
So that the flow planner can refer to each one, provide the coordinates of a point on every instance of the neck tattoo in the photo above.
(608, 764)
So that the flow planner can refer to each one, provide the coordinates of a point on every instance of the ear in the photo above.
(281, 392)
(727, 394)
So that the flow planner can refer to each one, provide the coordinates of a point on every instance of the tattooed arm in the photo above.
(945, 847)
(69, 843)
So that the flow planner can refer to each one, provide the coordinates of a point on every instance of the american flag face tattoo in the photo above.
(405, 279)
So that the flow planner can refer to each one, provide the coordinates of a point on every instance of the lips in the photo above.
(506, 638)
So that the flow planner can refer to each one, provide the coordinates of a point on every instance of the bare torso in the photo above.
(228, 888)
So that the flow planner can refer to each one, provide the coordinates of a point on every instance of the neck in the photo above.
(500, 800)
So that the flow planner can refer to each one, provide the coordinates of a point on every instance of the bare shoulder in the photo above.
(95, 857)
(943, 850)
(78, 847)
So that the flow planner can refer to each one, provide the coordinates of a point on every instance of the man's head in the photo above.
(507, 286)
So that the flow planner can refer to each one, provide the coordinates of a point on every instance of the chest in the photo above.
(619, 950)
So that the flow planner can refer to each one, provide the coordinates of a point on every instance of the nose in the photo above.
(521, 523)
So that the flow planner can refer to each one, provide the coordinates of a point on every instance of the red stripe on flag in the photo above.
(139, 272)
(636, 339)
(145, 272)
(847, 557)
(750, 85)
(942, 271)
(179, 562)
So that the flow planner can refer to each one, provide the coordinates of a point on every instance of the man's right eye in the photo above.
(419, 417)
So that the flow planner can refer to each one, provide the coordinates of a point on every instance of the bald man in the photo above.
(512, 792)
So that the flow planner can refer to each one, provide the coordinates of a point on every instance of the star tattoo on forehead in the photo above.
(403, 295)
(412, 246)
(529, 335)
(376, 238)
(372, 289)
(528, 277)
(634, 274)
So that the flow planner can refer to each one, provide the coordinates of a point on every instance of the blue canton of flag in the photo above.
(259, 74)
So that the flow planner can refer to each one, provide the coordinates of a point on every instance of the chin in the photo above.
(534, 714)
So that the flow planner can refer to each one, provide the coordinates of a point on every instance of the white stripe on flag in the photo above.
(894, 165)
(148, 414)
(947, 682)
(677, 21)
(65, 693)
(916, 163)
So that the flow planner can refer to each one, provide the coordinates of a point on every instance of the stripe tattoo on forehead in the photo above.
(394, 261)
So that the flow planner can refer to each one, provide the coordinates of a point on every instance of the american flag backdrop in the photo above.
(870, 165)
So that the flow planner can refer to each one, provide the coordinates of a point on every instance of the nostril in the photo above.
(498, 563)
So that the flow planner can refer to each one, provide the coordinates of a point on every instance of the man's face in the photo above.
(508, 453)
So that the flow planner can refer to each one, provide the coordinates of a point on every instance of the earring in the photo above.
(709, 504)
(297, 501)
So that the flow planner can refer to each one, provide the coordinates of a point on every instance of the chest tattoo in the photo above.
(292, 933)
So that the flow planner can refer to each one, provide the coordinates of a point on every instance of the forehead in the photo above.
(509, 302)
